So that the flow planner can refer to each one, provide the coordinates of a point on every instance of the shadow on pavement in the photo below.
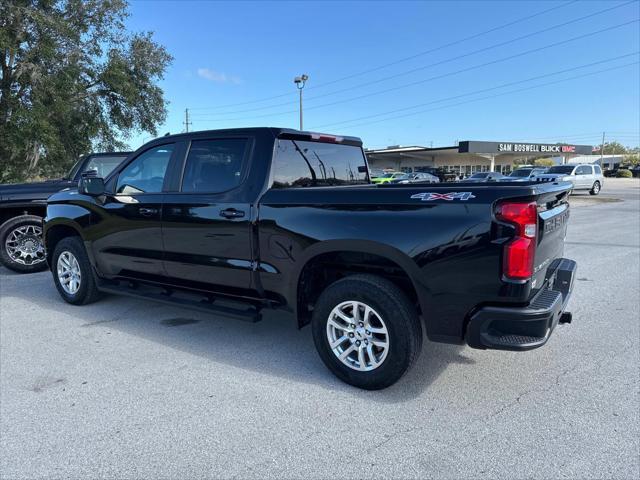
(273, 346)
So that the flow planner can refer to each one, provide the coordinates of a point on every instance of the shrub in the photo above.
(622, 173)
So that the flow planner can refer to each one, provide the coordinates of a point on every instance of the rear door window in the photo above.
(214, 165)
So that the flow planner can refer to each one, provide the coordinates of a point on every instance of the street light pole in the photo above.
(300, 82)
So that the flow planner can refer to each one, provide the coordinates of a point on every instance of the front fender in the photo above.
(68, 216)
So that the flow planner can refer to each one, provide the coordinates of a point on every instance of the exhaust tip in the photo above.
(566, 317)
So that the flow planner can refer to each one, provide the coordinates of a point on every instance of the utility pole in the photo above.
(186, 120)
(602, 152)
(300, 82)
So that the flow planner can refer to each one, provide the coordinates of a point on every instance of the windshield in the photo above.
(103, 164)
(523, 172)
(561, 169)
(406, 176)
(74, 170)
(479, 175)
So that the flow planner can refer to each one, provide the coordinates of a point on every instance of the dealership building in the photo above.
(469, 157)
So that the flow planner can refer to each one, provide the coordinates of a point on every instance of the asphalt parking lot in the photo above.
(126, 388)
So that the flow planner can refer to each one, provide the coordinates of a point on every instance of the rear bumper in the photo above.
(527, 327)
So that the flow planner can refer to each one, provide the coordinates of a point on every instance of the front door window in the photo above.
(146, 173)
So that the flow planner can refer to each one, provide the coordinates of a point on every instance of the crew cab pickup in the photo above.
(237, 221)
(22, 207)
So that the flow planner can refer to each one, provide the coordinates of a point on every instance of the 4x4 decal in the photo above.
(428, 196)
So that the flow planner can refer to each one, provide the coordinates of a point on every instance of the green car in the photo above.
(387, 177)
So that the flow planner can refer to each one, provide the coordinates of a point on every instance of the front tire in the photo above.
(366, 331)
(21, 246)
(595, 190)
(72, 272)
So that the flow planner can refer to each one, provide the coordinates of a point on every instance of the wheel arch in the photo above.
(9, 212)
(317, 269)
(56, 231)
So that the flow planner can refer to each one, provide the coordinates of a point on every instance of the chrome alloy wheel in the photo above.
(357, 336)
(69, 274)
(24, 245)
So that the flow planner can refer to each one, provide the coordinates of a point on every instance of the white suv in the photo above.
(584, 177)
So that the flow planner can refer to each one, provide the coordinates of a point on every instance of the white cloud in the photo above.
(218, 77)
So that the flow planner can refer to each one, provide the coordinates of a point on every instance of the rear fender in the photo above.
(360, 246)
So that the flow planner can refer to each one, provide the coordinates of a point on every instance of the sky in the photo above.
(403, 73)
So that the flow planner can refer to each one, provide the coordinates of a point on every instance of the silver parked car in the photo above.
(584, 177)
(416, 177)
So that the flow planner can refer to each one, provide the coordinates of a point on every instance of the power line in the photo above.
(395, 62)
(530, 79)
(493, 96)
(436, 77)
(500, 44)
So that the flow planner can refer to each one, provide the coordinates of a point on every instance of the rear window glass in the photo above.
(597, 169)
(313, 164)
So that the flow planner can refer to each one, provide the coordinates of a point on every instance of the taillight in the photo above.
(518, 256)
(326, 138)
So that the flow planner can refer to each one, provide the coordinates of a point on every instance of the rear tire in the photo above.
(72, 272)
(595, 190)
(21, 246)
(373, 348)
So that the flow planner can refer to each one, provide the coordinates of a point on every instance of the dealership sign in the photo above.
(535, 148)
(526, 148)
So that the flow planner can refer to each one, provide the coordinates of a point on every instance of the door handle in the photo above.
(231, 213)
(147, 212)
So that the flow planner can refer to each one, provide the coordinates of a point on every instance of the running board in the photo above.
(222, 306)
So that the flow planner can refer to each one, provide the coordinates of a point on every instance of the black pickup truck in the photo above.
(235, 221)
(22, 207)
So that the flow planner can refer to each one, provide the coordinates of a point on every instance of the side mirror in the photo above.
(90, 185)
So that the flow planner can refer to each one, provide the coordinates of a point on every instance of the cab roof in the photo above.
(277, 132)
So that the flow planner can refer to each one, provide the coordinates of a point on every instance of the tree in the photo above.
(72, 81)
(633, 157)
(611, 148)
(544, 162)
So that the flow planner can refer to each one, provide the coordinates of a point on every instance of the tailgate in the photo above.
(553, 216)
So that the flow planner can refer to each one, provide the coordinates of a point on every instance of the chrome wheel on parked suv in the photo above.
(21, 245)
(24, 245)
